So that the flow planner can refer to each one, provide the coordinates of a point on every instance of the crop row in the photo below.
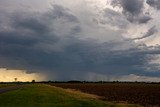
(140, 93)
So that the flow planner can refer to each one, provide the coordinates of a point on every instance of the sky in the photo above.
(89, 40)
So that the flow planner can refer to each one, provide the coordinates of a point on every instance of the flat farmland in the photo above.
(41, 95)
(146, 94)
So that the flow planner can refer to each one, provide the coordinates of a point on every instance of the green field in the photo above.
(40, 95)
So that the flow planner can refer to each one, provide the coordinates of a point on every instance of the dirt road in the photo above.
(10, 88)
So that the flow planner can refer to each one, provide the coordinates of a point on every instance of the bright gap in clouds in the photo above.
(21, 75)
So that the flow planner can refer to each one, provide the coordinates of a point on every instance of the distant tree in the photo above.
(75, 81)
(33, 81)
(117, 81)
(15, 79)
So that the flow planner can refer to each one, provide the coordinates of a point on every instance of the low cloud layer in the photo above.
(63, 44)
(130, 77)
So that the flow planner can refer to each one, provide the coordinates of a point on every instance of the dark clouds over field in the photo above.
(84, 40)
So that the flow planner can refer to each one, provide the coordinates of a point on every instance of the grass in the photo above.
(40, 95)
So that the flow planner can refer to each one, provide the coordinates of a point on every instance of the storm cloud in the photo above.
(65, 45)
(154, 3)
(133, 10)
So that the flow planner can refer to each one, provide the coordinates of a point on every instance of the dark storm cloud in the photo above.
(26, 31)
(132, 6)
(133, 10)
(154, 3)
(30, 41)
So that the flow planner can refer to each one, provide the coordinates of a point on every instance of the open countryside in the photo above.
(79, 53)
(80, 95)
